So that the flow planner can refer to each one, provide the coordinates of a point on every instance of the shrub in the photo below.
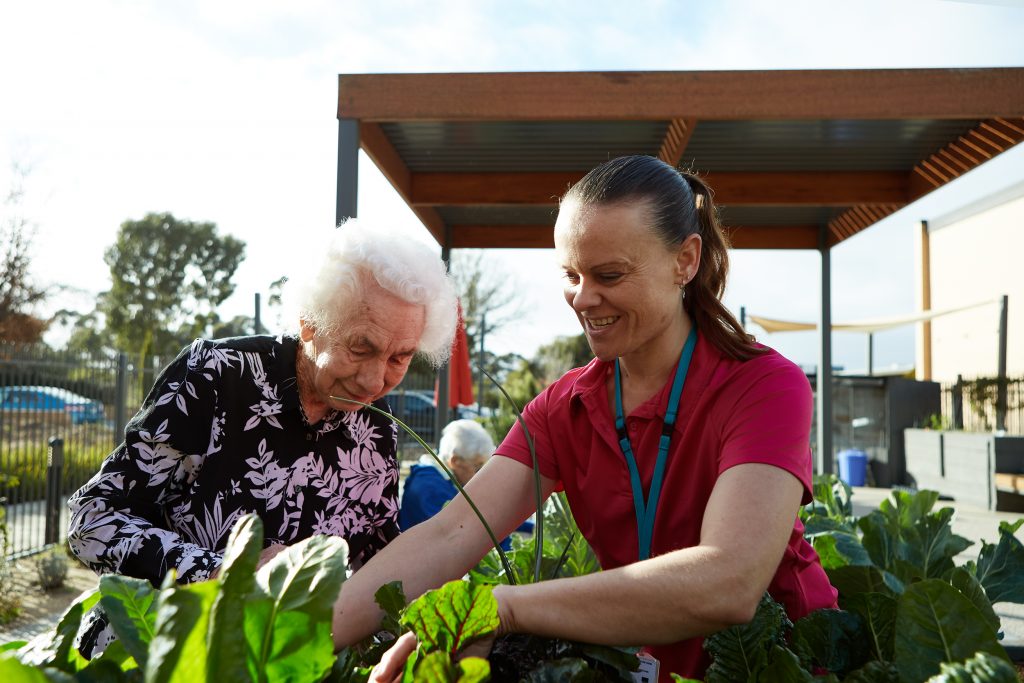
(52, 568)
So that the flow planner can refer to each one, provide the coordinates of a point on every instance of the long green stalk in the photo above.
(451, 476)
(538, 554)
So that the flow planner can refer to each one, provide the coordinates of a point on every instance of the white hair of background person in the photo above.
(465, 439)
(322, 292)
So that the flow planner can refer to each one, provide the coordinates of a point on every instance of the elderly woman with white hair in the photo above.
(465, 447)
(254, 424)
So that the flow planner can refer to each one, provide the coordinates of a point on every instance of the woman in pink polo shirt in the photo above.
(682, 447)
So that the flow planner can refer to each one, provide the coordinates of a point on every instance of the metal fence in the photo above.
(973, 405)
(62, 413)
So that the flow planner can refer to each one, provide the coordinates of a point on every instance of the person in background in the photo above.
(256, 424)
(465, 447)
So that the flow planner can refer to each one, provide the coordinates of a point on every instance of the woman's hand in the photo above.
(392, 664)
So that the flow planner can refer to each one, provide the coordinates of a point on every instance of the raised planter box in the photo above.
(983, 470)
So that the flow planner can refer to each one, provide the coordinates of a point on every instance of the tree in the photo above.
(168, 276)
(485, 291)
(554, 359)
(19, 295)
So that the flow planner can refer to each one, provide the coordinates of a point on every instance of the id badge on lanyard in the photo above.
(646, 510)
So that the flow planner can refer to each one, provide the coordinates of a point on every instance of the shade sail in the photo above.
(773, 325)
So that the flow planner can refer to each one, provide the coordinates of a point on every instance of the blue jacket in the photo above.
(426, 491)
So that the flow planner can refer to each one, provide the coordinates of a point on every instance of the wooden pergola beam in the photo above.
(666, 95)
(843, 188)
(542, 236)
(988, 139)
(773, 236)
(677, 137)
(375, 143)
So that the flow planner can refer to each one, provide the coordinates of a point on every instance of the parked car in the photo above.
(416, 409)
(39, 399)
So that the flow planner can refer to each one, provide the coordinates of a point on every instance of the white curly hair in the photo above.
(465, 439)
(326, 291)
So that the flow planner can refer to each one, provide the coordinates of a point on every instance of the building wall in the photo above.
(977, 253)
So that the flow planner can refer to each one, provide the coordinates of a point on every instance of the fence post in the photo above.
(54, 469)
(958, 403)
(121, 396)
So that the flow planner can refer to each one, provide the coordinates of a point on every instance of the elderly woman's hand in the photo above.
(268, 553)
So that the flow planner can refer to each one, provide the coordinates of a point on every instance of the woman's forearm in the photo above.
(422, 558)
(663, 600)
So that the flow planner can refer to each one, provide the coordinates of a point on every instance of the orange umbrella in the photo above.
(460, 374)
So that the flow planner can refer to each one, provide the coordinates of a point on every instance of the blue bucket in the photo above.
(853, 466)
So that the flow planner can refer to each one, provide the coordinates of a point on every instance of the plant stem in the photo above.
(451, 476)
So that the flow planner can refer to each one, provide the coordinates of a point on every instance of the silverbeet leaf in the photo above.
(288, 614)
(875, 672)
(740, 653)
(569, 670)
(831, 639)
(1000, 567)
(178, 650)
(13, 671)
(983, 668)
(448, 618)
(228, 651)
(878, 615)
(968, 584)
(130, 605)
(437, 667)
(53, 648)
(783, 665)
(391, 598)
(935, 623)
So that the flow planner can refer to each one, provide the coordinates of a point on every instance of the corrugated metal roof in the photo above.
(498, 215)
(777, 215)
(821, 145)
(495, 146)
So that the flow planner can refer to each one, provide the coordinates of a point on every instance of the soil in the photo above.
(40, 609)
(515, 655)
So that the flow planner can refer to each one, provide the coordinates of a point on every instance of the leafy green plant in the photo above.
(908, 612)
(10, 603)
(246, 625)
(52, 568)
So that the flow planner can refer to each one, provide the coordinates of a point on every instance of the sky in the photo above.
(225, 111)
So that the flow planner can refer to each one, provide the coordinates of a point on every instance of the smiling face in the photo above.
(621, 279)
(366, 357)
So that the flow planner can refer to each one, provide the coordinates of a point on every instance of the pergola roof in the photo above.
(797, 159)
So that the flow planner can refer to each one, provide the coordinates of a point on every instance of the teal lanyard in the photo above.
(645, 512)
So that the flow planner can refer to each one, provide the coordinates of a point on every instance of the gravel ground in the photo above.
(41, 609)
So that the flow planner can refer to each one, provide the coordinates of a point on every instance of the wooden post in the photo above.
(926, 303)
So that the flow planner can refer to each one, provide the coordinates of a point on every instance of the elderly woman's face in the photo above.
(369, 354)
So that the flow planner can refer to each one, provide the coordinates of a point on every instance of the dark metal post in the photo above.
(121, 397)
(257, 327)
(743, 317)
(871, 354)
(958, 403)
(348, 169)
(54, 469)
(1001, 377)
(824, 378)
(480, 390)
(444, 371)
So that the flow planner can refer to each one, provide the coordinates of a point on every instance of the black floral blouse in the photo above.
(223, 434)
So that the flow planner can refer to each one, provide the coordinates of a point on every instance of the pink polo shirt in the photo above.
(731, 412)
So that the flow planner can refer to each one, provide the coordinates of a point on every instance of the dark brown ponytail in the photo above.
(703, 300)
(681, 204)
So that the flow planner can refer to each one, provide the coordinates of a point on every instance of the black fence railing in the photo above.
(983, 405)
(62, 413)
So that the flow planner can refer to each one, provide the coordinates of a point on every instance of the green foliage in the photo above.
(908, 612)
(10, 603)
(168, 276)
(982, 668)
(561, 355)
(52, 568)
(522, 386)
(246, 625)
(741, 653)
